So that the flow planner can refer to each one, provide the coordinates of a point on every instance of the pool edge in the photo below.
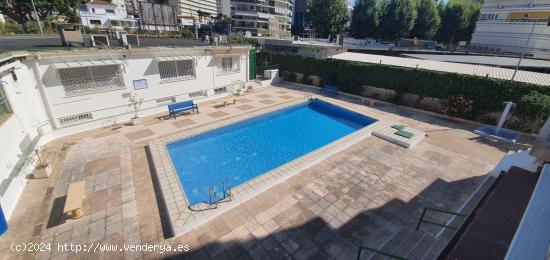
(182, 219)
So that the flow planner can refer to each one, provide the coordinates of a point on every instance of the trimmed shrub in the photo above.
(241, 40)
(486, 94)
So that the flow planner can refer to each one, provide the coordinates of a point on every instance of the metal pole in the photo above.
(37, 19)
(523, 52)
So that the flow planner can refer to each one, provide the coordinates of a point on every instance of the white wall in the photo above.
(17, 132)
(106, 105)
(37, 104)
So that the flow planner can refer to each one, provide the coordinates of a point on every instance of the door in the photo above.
(252, 64)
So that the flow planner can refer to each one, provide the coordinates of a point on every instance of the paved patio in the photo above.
(369, 194)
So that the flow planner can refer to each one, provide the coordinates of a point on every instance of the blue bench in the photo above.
(175, 108)
(330, 89)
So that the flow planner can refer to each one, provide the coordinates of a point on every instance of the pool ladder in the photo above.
(214, 200)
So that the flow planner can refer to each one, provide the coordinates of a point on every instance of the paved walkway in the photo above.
(369, 194)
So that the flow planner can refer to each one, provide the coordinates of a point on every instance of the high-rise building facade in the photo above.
(195, 10)
(262, 17)
(300, 17)
(516, 26)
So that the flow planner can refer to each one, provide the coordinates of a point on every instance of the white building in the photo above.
(505, 26)
(188, 10)
(105, 15)
(44, 96)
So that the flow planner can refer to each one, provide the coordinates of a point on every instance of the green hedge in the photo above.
(488, 94)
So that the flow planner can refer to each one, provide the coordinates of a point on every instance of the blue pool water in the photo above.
(244, 150)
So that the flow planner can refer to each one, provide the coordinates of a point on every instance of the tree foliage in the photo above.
(21, 11)
(398, 19)
(448, 21)
(427, 21)
(365, 18)
(458, 20)
(328, 16)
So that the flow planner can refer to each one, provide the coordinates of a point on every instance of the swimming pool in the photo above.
(239, 152)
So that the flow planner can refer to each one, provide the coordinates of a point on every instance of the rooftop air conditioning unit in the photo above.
(99, 40)
(541, 147)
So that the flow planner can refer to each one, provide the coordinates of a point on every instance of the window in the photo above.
(110, 11)
(89, 80)
(227, 65)
(95, 22)
(198, 94)
(175, 69)
(5, 108)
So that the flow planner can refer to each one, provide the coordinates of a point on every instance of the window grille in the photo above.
(221, 90)
(89, 80)
(198, 94)
(73, 119)
(177, 69)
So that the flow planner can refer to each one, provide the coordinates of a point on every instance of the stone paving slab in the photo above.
(361, 195)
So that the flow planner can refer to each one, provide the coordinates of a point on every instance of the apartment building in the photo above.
(514, 26)
(106, 14)
(261, 17)
(300, 14)
(193, 10)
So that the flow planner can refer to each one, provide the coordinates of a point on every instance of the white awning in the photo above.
(89, 63)
(172, 58)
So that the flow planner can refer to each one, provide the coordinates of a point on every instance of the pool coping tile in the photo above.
(183, 219)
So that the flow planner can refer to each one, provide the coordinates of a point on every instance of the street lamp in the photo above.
(526, 44)
(37, 19)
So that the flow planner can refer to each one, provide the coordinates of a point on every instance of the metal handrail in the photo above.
(228, 191)
(421, 220)
(212, 191)
(361, 248)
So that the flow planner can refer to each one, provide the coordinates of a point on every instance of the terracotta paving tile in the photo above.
(183, 123)
(267, 101)
(286, 97)
(102, 165)
(265, 96)
(132, 136)
(243, 100)
(217, 114)
(244, 107)
(106, 132)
